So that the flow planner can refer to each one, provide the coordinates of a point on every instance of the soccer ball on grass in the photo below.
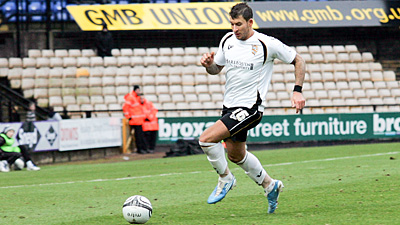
(137, 209)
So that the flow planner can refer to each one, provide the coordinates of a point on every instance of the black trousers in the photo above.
(25, 153)
(151, 137)
(10, 157)
(140, 140)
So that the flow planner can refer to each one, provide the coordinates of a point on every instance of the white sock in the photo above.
(227, 178)
(253, 168)
(216, 156)
(270, 187)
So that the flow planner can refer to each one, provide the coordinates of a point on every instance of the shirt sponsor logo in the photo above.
(240, 64)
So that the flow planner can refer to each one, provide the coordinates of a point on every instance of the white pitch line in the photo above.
(194, 172)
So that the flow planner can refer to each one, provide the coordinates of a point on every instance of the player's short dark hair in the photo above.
(241, 9)
(135, 87)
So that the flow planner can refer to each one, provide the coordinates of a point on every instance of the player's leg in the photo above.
(210, 142)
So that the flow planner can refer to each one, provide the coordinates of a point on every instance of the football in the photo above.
(137, 209)
(19, 164)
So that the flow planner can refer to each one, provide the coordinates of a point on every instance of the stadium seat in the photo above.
(316, 86)
(317, 58)
(115, 52)
(392, 84)
(162, 98)
(110, 99)
(314, 49)
(110, 61)
(367, 57)
(139, 52)
(371, 93)
(68, 91)
(177, 51)
(177, 70)
(88, 53)
(55, 101)
(126, 52)
(74, 53)
(123, 61)
(110, 71)
(302, 49)
(28, 62)
(34, 53)
(161, 80)
(60, 53)
(367, 84)
(40, 93)
(109, 90)
(135, 80)
(351, 48)
(162, 89)
(177, 60)
(174, 80)
(96, 99)
(326, 49)
(389, 76)
(152, 52)
(177, 98)
(343, 58)
(69, 61)
(191, 51)
(190, 60)
(355, 57)
(149, 89)
(82, 62)
(48, 53)
(320, 94)
(204, 97)
(165, 51)
(339, 49)
(14, 62)
(380, 85)
(217, 97)
(334, 94)
(384, 93)
(202, 50)
(330, 58)
(175, 89)
(96, 61)
(282, 95)
(308, 94)
(375, 66)
(121, 81)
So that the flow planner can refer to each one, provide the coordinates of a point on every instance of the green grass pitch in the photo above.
(347, 184)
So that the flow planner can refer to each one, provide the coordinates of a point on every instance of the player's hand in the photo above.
(298, 101)
(207, 60)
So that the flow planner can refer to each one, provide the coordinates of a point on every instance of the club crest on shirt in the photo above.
(254, 49)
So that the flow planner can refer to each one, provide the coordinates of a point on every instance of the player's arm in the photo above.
(208, 62)
(298, 100)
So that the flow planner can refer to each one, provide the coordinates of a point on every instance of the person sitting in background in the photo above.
(133, 110)
(7, 148)
(14, 116)
(104, 42)
(31, 113)
(7, 158)
(54, 115)
(150, 125)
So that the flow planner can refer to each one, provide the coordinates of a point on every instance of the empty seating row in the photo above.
(99, 61)
(178, 51)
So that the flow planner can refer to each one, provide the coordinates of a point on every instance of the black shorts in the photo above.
(239, 120)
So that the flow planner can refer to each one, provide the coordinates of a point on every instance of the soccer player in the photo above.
(248, 56)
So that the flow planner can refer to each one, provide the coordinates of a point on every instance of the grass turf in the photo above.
(349, 184)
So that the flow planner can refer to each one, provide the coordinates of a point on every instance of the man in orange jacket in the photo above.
(133, 110)
(150, 125)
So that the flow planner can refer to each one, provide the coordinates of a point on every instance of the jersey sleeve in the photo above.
(219, 57)
(278, 50)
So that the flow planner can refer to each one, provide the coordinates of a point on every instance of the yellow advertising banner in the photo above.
(191, 16)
